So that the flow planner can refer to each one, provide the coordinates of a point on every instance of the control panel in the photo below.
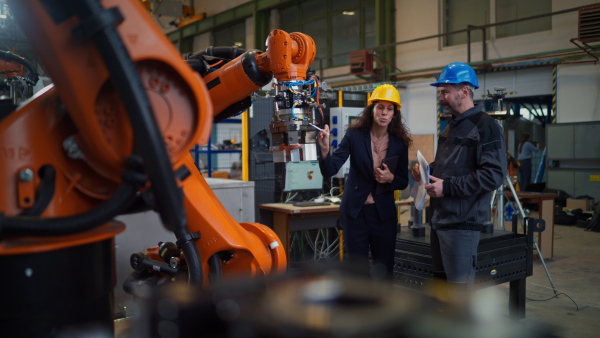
(339, 120)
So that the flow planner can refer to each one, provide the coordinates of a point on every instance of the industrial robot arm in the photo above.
(13, 67)
(232, 74)
(116, 127)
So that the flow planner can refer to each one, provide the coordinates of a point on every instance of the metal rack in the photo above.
(197, 150)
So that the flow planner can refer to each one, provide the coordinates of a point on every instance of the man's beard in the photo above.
(452, 109)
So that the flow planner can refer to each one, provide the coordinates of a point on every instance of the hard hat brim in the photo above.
(437, 84)
(399, 105)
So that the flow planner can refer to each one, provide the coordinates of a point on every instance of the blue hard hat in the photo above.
(457, 72)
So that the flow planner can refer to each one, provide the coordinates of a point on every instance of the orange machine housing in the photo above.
(80, 127)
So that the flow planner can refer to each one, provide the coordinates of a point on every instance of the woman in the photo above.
(526, 149)
(369, 218)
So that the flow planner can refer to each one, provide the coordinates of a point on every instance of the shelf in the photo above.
(197, 150)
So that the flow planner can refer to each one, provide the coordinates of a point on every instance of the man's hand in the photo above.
(323, 141)
(436, 188)
(383, 174)
(416, 173)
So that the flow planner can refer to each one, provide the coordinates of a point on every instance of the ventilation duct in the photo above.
(589, 24)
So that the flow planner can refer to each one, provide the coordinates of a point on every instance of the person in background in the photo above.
(470, 163)
(526, 150)
(513, 167)
(368, 213)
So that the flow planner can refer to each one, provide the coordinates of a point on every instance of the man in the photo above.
(469, 165)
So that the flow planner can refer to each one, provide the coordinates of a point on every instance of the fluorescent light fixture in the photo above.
(348, 13)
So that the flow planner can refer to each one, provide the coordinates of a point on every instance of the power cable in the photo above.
(555, 296)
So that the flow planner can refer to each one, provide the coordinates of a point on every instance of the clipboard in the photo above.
(391, 163)
(418, 192)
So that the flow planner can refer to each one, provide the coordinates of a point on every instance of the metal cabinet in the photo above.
(574, 158)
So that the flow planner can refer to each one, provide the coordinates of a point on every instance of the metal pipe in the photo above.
(526, 228)
(484, 46)
(469, 45)
(583, 49)
(467, 30)
(481, 26)
(530, 57)
(501, 207)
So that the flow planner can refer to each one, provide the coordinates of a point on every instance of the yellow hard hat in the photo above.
(386, 92)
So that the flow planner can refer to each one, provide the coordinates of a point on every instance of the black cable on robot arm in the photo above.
(229, 53)
(33, 226)
(33, 75)
(149, 142)
(28, 225)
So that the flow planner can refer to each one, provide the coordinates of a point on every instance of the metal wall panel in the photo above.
(586, 141)
(584, 185)
(560, 141)
(561, 180)
(525, 82)
(574, 154)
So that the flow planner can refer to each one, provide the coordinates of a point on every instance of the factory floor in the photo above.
(572, 308)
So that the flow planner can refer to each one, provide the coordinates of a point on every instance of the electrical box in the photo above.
(574, 158)
(339, 119)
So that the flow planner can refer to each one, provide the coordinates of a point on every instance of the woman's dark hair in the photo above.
(524, 139)
(396, 126)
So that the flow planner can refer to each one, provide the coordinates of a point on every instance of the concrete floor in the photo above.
(572, 309)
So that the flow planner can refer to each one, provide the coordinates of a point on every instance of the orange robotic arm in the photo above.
(115, 129)
(12, 66)
(9, 67)
(287, 58)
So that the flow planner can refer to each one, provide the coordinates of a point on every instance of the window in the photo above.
(340, 5)
(338, 27)
(370, 33)
(289, 16)
(313, 9)
(346, 30)
(516, 9)
(232, 35)
(459, 14)
(315, 30)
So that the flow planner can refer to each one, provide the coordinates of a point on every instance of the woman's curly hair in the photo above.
(397, 127)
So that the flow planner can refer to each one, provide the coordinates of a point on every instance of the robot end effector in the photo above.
(287, 59)
(232, 74)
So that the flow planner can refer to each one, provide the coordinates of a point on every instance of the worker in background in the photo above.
(470, 163)
(513, 166)
(526, 150)
(368, 210)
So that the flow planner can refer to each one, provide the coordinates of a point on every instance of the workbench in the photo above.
(502, 256)
(287, 218)
(545, 202)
